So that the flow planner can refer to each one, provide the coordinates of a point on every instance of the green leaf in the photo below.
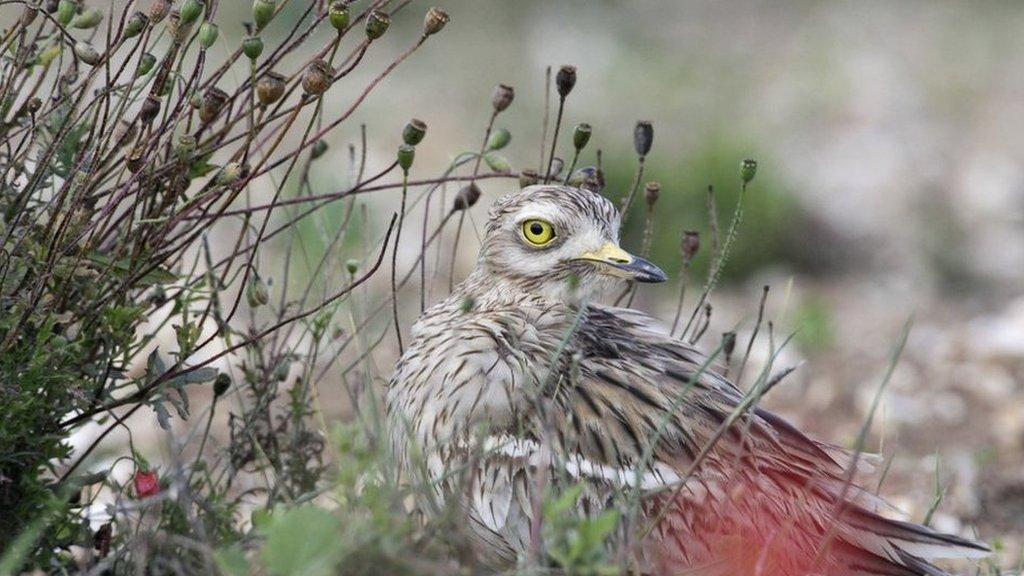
(201, 167)
(200, 375)
(302, 541)
(123, 266)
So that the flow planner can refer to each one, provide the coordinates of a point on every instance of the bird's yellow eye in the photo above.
(538, 232)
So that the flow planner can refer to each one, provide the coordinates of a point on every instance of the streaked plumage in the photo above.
(519, 373)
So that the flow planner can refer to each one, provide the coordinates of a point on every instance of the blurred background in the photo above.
(890, 141)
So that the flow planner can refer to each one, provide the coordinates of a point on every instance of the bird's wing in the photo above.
(645, 406)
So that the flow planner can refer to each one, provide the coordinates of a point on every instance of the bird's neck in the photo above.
(484, 289)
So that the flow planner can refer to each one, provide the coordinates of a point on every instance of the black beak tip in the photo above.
(649, 273)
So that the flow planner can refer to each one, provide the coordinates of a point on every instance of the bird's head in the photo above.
(560, 242)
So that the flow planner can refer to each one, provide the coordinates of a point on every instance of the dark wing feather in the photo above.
(764, 482)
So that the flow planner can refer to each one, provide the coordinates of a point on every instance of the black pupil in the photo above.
(536, 228)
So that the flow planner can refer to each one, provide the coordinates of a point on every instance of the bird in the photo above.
(521, 379)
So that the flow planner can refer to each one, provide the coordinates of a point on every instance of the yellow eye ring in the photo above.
(538, 232)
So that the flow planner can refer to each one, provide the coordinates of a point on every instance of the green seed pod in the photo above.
(351, 266)
(414, 132)
(87, 53)
(191, 10)
(256, 293)
(184, 147)
(270, 88)
(208, 33)
(528, 177)
(748, 169)
(146, 63)
(503, 96)
(338, 15)
(565, 79)
(262, 12)
(317, 78)
(498, 163)
(159, 10)
(643, 137)
(88, 19)
(319, 148)
(377, 24)
(499, 139)
(49, 54)
(252, 47)
(581, 135)
(434, 21)
(195, 100)
(66, 11)
(406, 154)
(137, 22)
(221, 385)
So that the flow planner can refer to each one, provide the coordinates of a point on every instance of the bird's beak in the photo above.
(617, 262)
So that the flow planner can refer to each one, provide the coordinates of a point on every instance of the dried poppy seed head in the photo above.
(159, 10)
(135, 160)
(434, 21)
(689, 246)
(466, 197)
(528, 177)
(150, 108)
(503, 96)
(317, 78)
(643, 137)
(414, 132)
(87, 53)
(565, 80)
(270, 88)
(557, 164)
(728, 343)
(588, 178)
(213, 101)
(652, 191)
